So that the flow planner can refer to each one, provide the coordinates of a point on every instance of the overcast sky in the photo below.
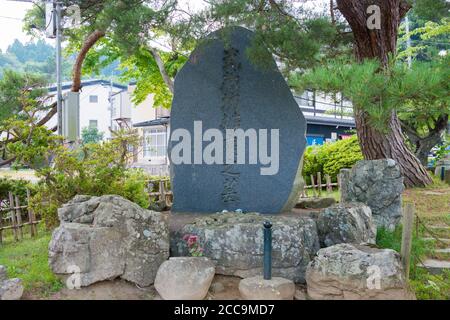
(11, 15)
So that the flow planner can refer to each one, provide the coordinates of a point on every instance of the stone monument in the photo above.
(237, 133)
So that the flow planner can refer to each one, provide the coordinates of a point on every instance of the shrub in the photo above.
(92, 169)
(330, 158)
(17, 187)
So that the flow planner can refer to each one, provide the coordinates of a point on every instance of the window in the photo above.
(93, 123)
(93, 99)
(155, 143)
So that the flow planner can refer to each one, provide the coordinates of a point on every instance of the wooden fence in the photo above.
(319, 184)
(15, 217)
(159, 189)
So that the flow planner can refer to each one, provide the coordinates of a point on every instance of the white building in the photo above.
(107, 106)
(95, 105)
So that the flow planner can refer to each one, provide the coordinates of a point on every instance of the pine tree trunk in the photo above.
(379, 44)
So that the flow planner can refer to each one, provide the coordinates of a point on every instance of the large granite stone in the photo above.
(346, 223)
(257, 288)
(10, 289)
(378, 184)
(223, 89)
(235, 242)
(102, 238)
(185, 278)
(353, 272)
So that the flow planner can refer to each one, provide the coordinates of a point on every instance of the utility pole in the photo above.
(408, 42)
(57, 16)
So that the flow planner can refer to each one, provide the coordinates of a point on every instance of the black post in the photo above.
(442, 173)
(267, 250)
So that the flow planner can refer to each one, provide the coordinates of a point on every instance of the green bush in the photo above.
(92, 169)
(330, 158)
(17, 187)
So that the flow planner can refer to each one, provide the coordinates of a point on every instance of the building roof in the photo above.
(87, 83)
(153, 123)
(330, 121)
(325, 121)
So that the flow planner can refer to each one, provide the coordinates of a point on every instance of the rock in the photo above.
(228, 90)
(300, 295)
(257, 288)
(353, 272)
(11, 289)
(3, 273)
(434, 266)
(102, 238)
(217, 287)
(346, 223)
(378, 184)
(235, 242)
(185, 278)
(315, 203)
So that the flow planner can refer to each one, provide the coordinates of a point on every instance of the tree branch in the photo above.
(162, 69)
(87, 45)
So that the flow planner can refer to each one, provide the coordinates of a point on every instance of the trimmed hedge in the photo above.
(330, 158)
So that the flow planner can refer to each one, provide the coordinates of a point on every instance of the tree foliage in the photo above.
(91, 135)
(330, 158)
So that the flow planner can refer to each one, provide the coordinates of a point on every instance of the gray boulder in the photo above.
(235, 242)
(185, 278)
(3, 273)
(346, 223)
(102, 238)
(378, 184)
(352, 272)
(257, 288)
(10, 289)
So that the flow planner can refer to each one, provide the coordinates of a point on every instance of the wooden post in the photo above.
(19, 218)
(313, 186)
(162, 192)
(408, 221)
(31, 217)
(305, 190)
(329, 186)
(319, 183)
(13, 215)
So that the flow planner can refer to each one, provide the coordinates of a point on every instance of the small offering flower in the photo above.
(193, 245)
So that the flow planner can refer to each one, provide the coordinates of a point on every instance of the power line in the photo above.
(12, 18)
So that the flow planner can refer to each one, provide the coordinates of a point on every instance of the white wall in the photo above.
(99, 111)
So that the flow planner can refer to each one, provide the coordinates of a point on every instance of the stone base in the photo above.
(257, 288)
(315, 203)
(234, 241)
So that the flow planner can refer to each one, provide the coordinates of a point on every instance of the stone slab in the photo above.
(223, 89)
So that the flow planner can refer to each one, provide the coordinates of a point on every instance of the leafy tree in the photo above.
(23, 112)
(91, 135)
(93, 169)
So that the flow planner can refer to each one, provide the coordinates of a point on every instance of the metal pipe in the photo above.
(267, 250)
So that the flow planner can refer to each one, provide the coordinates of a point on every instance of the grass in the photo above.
(432, 206)
(28, 260)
